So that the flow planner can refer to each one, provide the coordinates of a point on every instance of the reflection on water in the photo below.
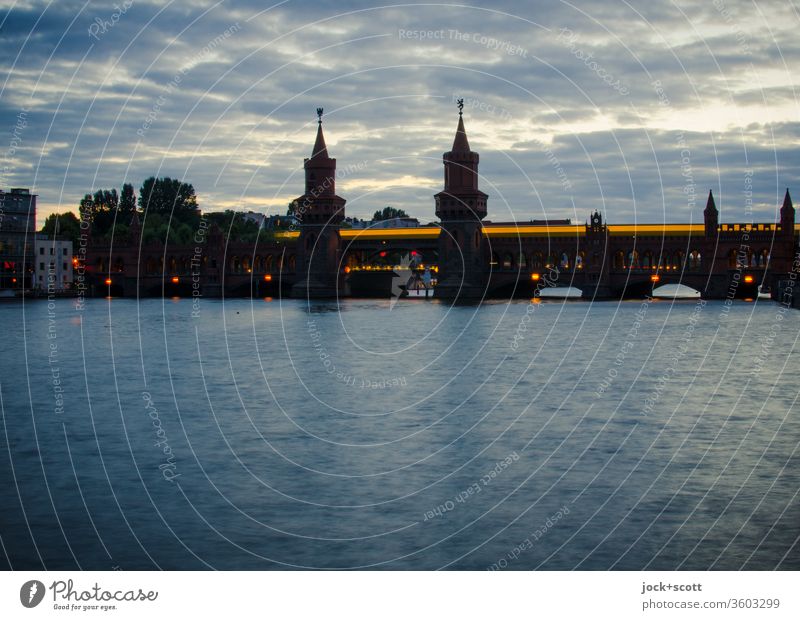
(270, 434)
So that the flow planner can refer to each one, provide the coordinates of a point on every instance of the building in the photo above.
(17, 231)
(327, 255)
(52, 264)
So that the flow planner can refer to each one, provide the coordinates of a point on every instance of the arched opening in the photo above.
(695, 260)
(268, 263)
(508, 261)
(522, 261)
(536, 260)
(619, 260)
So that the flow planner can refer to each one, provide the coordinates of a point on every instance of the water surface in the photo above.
(274, 434)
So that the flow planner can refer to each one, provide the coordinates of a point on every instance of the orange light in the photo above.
(108, 281)
(175, 279)
(347, 269)
(748, 279)
(655, 277)
(267, 278)
(14, 280)
(535, 277)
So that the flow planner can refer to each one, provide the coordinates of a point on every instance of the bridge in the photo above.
(470, 258)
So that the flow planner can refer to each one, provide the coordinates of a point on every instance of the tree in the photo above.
(65, 225)
(168, 196)
(99, 209)
(127, 201)
(388, 213)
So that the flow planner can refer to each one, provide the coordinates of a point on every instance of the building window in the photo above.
(51, 251)
(64, 266)
(41, 250)
(41, 266)
(65, 251)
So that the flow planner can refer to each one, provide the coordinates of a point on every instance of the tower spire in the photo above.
(787, 202)
(710, 204)
(787, 215)
(711, 216)
(320, 148)
(460, 144)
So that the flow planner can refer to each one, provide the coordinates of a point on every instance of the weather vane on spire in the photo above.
(460, 107)
(319, 115)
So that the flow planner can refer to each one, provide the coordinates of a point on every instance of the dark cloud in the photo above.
(223, 95)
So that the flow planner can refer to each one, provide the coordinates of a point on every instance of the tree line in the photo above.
(167, 208)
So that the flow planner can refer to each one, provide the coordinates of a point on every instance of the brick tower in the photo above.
(320, 212)
(460, 207)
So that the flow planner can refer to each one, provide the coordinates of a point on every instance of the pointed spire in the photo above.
(320, 149)
(710, 205)
(460, 144)
(787, 201)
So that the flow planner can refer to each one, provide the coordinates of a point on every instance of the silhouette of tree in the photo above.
(127, 201)
(99, 209)
(167, 196)
(65, 225)
(388, 213)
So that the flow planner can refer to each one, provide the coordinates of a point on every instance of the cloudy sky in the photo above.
(633, 108)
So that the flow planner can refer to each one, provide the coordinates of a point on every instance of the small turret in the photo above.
(787, 215)
(711, 216)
